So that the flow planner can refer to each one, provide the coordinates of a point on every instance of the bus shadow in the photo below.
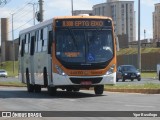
(44, 94)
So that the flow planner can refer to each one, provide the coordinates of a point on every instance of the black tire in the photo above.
(52, 91)
(69, 89)
(45, 78)
(76, 89)
(99, 89)
(139, 79)
(37, 88)
(117, 79)
(132, 79)
(159, 76)
(123, 79)
(30, 87)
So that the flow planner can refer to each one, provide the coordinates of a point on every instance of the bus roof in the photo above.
(82, 16)
(47, 22)
(50, 21)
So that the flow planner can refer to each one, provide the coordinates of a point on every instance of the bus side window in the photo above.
(22, 48)
(42, 37)
(36, 40)
(32, 45)
(50, 39)
(26, 43)
(39, 41)
(45, 39)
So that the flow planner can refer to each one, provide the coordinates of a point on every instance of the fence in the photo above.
(149, 61)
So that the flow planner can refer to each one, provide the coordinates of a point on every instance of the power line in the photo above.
(21, 26)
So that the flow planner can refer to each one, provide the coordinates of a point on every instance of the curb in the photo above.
(143, 91)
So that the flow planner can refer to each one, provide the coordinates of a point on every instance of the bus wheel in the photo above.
(45, 77)
(37, 88)
(159, 76)
(69, 89)
(76, 89)
(99, 89)
(30, 87)
(52, 91)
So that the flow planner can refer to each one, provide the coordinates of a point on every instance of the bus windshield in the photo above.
(86, 46)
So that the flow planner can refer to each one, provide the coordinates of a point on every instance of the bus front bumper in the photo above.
(59, 80)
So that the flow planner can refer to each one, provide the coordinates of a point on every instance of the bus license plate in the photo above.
(86, 83)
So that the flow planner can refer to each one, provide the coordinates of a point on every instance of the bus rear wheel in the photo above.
(99, 89)
(52, 91)
(30, 87)
(37, 88)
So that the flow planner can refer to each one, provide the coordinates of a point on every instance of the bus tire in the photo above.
(30, 87)
(45, 78)
(52, 91)
(76, 89)
(37, 88)
(69, 89)
(99, 89)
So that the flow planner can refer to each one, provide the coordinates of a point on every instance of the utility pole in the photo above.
(144, 34)
(33, 4)
(139, 41)
(41, 10)
(13, 44)
(72, 6)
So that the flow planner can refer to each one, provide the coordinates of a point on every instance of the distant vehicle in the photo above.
(127, 72)
(3, 73)
(158, 71)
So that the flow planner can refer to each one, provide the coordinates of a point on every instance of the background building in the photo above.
(7, 52)
(4, 38)
(156, 23)
(123, 15)
(77, 12)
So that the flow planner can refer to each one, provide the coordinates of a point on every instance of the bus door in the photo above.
(21, 60)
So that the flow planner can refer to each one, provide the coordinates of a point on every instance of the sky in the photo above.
(23, 12)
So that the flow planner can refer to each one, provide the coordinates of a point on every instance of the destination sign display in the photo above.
(83, 23)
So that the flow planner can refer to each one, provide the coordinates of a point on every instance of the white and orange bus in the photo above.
(69, 53)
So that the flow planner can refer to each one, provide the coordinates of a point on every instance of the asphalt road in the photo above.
(18, 99)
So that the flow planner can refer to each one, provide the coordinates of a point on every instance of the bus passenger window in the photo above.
(22, 48)
(32, 45)
(45, 39)
(50, 35)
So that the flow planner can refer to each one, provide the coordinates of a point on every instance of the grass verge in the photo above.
(8, 66)
(149, 75)
(129, 86)
(16, 84)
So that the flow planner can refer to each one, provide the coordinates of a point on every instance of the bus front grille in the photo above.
(92, 80)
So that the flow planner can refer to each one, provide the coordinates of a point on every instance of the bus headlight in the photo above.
(60, 71)
(111, 70)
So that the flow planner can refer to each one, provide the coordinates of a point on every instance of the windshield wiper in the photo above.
(73, 38)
